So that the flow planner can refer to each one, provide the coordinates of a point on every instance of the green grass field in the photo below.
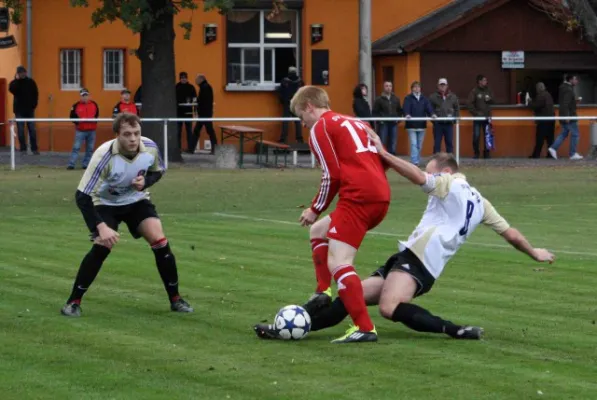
(241, 256)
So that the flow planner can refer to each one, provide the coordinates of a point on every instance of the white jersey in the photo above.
(109, 176)
(454, 211)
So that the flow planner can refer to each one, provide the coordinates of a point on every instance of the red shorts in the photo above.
(351, 221)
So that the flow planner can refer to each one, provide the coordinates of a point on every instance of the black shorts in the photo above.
(407, 261)
(131, 214)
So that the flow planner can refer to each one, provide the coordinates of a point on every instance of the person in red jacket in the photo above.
(353, 170)
(84, 130)
(125, 104)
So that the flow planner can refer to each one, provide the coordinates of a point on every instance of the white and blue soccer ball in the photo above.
(292, 322)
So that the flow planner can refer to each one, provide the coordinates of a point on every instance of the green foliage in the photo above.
(16, 9)
(138, 15)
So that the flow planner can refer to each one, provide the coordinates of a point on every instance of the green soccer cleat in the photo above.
(71, 310)
(181, 306)
(355, 335)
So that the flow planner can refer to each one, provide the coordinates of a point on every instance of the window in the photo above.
(113, 69)
(260, 48)
(70, 69)
(527, 79)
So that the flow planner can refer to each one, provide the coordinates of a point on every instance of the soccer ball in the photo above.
(292, 322)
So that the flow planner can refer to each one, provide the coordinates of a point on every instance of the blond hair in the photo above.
(313, 95)
(445, 160)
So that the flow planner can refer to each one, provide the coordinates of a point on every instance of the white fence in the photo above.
(165, 122)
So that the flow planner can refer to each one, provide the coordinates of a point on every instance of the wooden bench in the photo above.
(266, 145)
(295, 149)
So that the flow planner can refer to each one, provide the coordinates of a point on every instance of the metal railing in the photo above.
(456, 120)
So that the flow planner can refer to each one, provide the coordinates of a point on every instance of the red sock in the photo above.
(350, 291)
(320, 260)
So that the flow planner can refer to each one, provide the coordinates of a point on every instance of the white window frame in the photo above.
(263, 85)
(113, 86)
(76, 53)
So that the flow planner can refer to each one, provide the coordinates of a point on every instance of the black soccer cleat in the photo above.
(266, 331)
(317, 302)
(469, 333)
(71, 310)
(181, 306)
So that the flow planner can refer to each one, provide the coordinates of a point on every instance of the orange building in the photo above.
(419, 40)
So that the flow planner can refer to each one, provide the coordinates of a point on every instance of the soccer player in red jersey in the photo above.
(353, 170)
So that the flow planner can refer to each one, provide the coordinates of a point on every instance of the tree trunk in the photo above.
(158, 77)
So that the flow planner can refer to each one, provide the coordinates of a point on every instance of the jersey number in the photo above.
(350, 125)
(470, 206)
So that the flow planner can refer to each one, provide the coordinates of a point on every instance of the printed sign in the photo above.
(512, 59)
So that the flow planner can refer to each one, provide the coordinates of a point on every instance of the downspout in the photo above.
(365, 61)
(29, 40)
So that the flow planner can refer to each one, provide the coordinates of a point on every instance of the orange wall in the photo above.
(389, 15)
(407, 69)
(340, 19)
(192, 56)
(10, 59)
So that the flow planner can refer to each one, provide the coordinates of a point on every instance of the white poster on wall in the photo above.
(512, 59)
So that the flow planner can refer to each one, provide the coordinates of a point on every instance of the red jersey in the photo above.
(350, 163)
(87, 110)
(122, 107)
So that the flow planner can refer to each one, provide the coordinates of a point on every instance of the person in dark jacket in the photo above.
(542, 106)
(125, 104)
(388, 106)
(205, 109)
(26, 96)
(85, 108)
(360, 106)
(185, 94)
(445, 105)
(567, 100)
(416, 106)
(480, 100)
(288, 87)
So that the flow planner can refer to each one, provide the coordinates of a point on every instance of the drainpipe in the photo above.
(29, 39)
(365, 62)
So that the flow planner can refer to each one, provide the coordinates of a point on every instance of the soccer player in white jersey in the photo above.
(453, 212)
(114, 190)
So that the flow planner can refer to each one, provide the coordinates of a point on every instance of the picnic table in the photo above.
(242, 133)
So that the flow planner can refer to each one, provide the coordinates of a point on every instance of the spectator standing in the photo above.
(480, 100)
(288, 87)
(567, 99)
(205, 109)
(416, 106)
(445, 105)
(125, 104)
(388, 106)
(85, 108)
(542, 106)
(360, 105)
(185, 95)
(26, 96)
